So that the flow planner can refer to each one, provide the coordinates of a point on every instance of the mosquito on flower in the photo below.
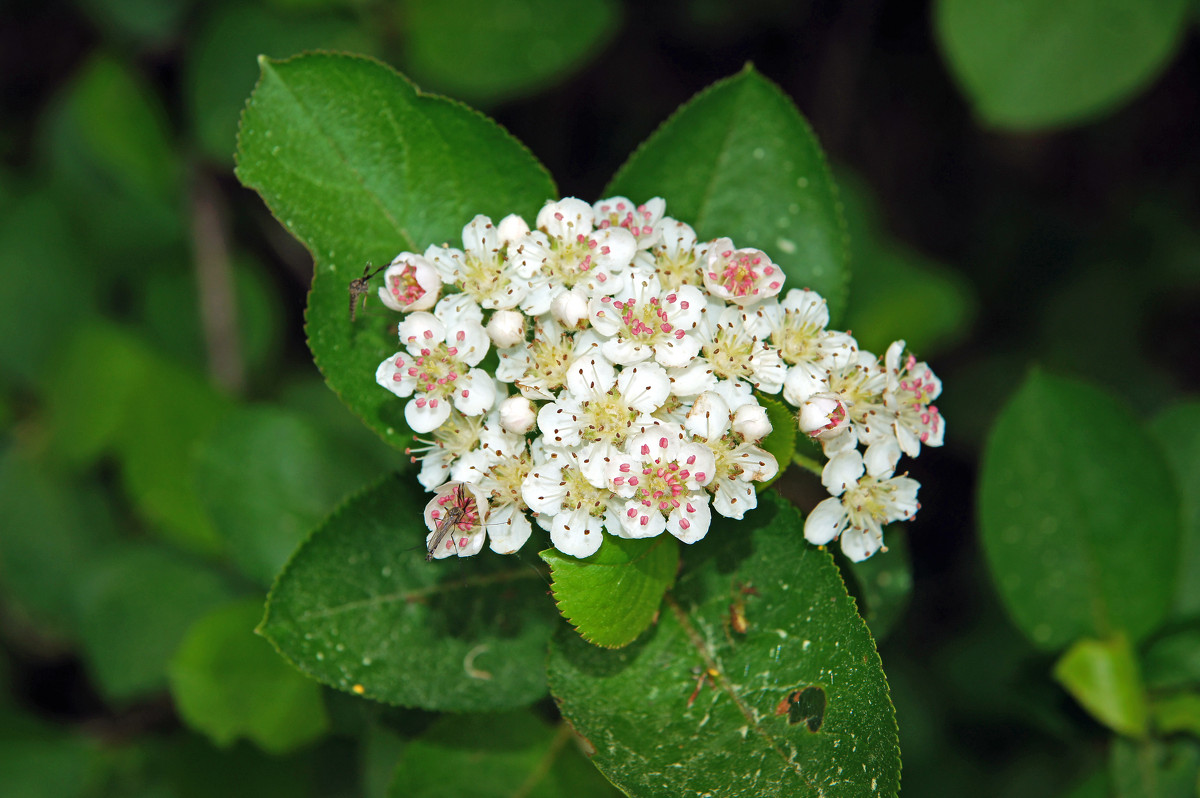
(456, 516)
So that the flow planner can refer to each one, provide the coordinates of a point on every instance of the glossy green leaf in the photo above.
(466, 47)
(1029, 64)
(1173, 660)
(795, 705)
(1154, 769)
(1177, 431)
(359, 165)
(359, 608)
(739, 160)
(134, 608)
(612, 596)
(884, 583)
(1103, 676)
(781, 440)
(1078, 515)
(228, 683)
(496, 756)
(268, 478)
(1177, 713)
(220, 69)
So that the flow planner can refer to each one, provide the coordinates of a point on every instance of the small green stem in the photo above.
(807, 463)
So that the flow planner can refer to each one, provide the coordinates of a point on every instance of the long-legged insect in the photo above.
(359, 288)
(453, 511)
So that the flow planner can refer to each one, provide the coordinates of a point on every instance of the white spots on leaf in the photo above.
(759, 153)
(807, 643)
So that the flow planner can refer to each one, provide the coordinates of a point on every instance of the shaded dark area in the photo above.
(1077, 249)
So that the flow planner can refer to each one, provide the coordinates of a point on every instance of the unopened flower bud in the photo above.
(823, 416)
(511, 228)
(569, 308)
(517, 415)
(410, 283)
(751, 422)
(506, 328)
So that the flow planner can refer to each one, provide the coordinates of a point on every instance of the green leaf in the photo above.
(150, 415)
(53, 529)
(44, 765)
(613, 595)
(268, 478)
(1154, 769)
(740, 161)
(38, 249)
(1102, 675)
(1028, 64)
(379, 752)
(113, 164)
(797, 704)
(228, 683)
(359, 608)
(1177, 713)
(466, 47)
(134, 609)
(884, 583)
(1078, 516)
(1178, 433)
(220, 69)
(359, 165)
(496, 756)
(1174, 660)
(781, 440)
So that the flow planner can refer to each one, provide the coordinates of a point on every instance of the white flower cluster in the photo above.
(623, 399)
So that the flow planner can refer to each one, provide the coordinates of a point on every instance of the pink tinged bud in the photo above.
(823, 415)
(517, 414)
(506, 328)
(751, 422)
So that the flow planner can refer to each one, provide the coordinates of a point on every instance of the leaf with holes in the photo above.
(759, 680)
(359, 165)
(740, 161)
(612, 596)
(359, 608)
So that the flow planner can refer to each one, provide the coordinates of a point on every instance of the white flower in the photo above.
(565, 252)
(735, 353)
(796, 327)
(910, 390)
(569, 308)
(859, 385)
(575, 510)
(863, 501)
(661, 478)
(743, 276)
(641, 221)
(456, 436)
(676, 258)
(480, 268)
(539, 368)
(644, 321)
(410, 283)
(499, 467)
(455, 517)
(441, 349)
(601, 408)
(737, 462)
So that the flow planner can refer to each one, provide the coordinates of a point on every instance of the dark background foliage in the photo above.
(125, 242)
